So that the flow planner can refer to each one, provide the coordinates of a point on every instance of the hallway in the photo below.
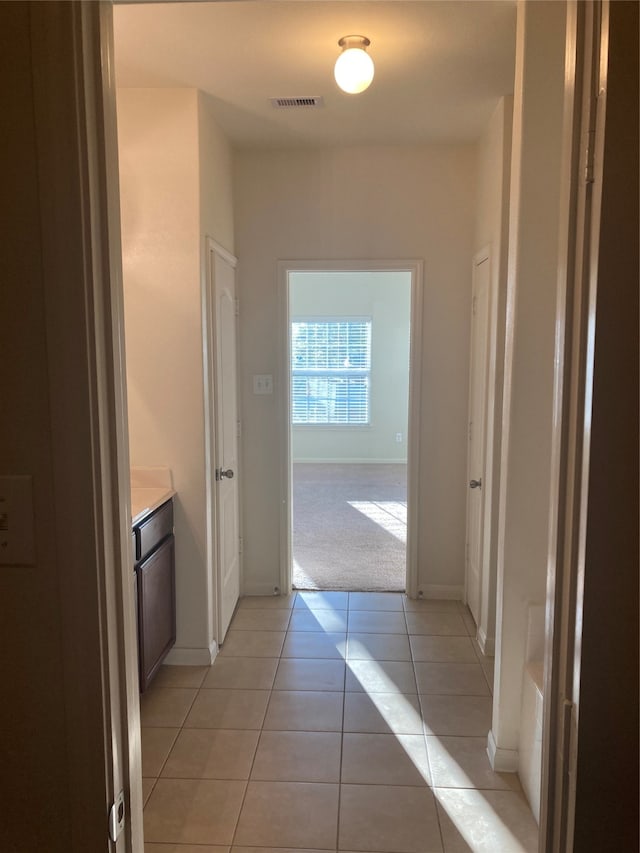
(331, 721)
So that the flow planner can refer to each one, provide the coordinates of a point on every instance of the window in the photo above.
(330, 370)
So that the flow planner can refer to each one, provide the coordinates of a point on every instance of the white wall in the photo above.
(175, 169)
(492, 232)
(385, 298)
(216, 177)
(359, 203)
(529, 355)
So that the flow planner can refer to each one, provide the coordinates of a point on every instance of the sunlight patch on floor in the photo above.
(391, 516)
(481, 832)
(303, 580)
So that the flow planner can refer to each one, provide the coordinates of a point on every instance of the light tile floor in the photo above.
(331, 721)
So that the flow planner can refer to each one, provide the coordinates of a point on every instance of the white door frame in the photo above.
(483, 256)
(415, 268)
(581, 195)
(74, 119)
(210, 433)
(112, 384)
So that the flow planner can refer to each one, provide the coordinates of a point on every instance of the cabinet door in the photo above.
(156, 610)
(154, 530)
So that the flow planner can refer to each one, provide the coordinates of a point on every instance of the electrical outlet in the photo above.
(399, 437)
(17, 545)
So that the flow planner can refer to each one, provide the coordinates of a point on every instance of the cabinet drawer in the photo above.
(156, 610)
(152, 531)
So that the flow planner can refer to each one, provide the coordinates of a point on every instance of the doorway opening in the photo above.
(349, 354)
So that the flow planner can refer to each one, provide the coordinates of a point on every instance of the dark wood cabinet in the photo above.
(155, 590)
(153, 530)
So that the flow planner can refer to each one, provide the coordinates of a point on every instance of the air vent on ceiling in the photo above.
(296, 103)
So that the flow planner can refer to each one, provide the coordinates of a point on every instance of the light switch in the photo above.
(263, 383)
(17, 545)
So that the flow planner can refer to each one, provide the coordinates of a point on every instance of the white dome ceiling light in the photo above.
(354, 67)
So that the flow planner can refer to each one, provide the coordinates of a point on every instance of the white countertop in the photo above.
(150, 488)
(145, 500)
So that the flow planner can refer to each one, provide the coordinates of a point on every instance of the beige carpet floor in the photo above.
(349, 526)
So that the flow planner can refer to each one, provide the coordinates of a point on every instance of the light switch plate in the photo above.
(263, 383)
(17, 544)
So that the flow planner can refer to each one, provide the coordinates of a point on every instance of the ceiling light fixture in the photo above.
(354, 67)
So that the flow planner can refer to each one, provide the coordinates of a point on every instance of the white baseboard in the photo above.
(259, 588)
(487, 644)
(502, 760)
(442, 591)
(350, 461)
(192, 657)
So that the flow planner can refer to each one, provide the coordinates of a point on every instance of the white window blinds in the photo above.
(330, 371)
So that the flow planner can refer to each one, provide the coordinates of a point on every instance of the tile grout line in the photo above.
(348, 637)
(164, 763)
(426, 744)
(180, 728)
(344, 696)
(253, 761)
(412, 657)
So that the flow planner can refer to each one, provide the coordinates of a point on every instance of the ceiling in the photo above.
(441, 65)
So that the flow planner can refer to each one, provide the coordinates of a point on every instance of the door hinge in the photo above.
(238, 429)
(240, 545)
(237, 301)
(473, 305)
(116, 817)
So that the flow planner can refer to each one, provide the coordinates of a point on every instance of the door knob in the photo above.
(475, 484)
(221, 474)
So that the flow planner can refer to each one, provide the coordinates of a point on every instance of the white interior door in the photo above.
(227, 527)
(477, 420)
